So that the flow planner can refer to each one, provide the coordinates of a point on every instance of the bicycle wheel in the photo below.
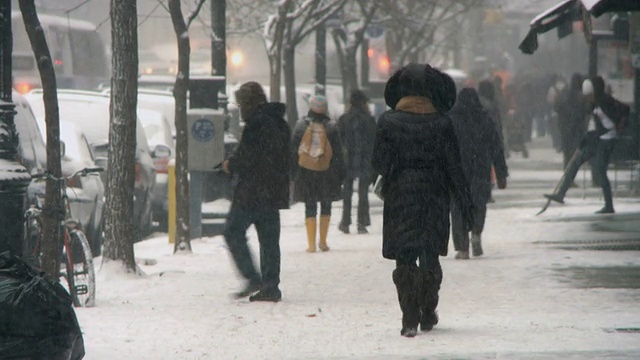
(80, 273)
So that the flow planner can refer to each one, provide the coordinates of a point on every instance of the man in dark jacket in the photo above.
(610, 116)
(358, 131)
(261, 165)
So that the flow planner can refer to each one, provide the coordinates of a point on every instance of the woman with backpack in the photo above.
(319, 171)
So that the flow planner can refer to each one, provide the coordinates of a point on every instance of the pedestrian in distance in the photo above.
(480, 149)
(571, 107)
(319, 169)
(357, 130)
(610, 116)
(261, 164)
(416, 152)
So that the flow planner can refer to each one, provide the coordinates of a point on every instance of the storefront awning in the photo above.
(599, 7)
(559, 16)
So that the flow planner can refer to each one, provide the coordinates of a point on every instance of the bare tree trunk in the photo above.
(290, 84)
(275, 52)
(350, 71)
(119, 227)
(180, 94)
(54, 210)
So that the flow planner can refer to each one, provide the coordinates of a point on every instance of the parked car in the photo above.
(89, 111)
(156, 127)
(32, 152)
(86, 193)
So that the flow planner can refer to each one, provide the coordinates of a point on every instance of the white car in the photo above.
(89, 112)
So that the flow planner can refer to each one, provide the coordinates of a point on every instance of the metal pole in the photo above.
(593, 57)
(364, 63)
(15, 178)
(195, 203)
(321, 60)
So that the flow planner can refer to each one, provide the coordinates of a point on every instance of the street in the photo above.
(547, 287)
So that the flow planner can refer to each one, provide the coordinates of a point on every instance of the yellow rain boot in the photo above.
(311, 234)
(324, 229)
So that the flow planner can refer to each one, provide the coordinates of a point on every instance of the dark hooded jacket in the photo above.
(572, 110)
(261, 161)
(416, 151)
(315, 186)
(480, 144)
(358, 130)
(617, 111)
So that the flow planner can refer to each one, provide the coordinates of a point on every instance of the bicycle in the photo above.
(76, 251)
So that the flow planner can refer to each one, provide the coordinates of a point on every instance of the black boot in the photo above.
(429, 300)
(408, 283)
(252, 287)
(271, 294)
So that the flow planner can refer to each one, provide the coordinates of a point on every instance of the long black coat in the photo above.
(358, 130)
(480, 145)
(316, 186)
(418, 156)
(261, 161)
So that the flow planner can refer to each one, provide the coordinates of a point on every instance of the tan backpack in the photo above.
(315, 152)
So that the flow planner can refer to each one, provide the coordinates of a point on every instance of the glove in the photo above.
(502, 183)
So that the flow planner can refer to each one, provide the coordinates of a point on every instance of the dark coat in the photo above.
(261, 162)
(316, 186)
(358, 131)
(419, 158)
(480, 145)
(572, 110)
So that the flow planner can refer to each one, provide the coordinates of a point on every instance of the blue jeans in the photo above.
(267, 224)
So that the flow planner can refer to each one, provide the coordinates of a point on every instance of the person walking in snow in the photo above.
(416, 152)
(358, 130)
(571, 107)
(480, 148)
(610, 116)
(261, 163)
(318, 169)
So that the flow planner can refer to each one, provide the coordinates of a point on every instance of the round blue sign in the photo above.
(203, 130)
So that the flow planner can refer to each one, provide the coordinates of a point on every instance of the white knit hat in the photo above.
(587, 87)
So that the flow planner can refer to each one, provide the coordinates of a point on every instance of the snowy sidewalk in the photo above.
(522, 300)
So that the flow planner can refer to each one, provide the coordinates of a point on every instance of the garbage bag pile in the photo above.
(37, 320)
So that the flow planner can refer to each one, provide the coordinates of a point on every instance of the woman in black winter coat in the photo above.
(313, 187)
(480, 148)
(416, 152)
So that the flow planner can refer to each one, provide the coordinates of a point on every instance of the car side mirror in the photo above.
(101, 161)
(161, 151)
(100, 148)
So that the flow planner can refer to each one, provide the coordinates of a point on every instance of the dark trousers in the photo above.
(267, 224)
(458, 231)
(363, 201)
(601, 156)
(311, 209)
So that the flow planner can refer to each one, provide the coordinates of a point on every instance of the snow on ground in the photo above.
(511, 303)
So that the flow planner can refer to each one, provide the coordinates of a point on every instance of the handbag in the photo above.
(377, 187)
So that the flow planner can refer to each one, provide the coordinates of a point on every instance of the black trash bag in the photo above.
(37, 320)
